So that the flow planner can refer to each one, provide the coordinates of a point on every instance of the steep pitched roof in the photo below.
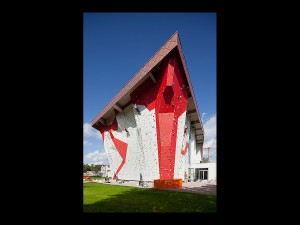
(143, 73)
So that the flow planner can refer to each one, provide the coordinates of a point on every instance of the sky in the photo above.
(117, 45)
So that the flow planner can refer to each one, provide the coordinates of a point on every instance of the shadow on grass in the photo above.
(131, 199)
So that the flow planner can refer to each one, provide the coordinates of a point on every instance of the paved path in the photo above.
(194, 187)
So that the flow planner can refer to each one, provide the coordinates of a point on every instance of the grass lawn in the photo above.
(113, 198)
(96, 177)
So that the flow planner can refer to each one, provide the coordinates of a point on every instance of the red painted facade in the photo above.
(169, 98)
(171, 102)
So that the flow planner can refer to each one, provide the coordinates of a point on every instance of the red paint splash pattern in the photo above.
(112, 127)
(122, 149)
(120, 145)
(184, 150)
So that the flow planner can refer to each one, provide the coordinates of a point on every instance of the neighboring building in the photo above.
(203, 171)
(105, 171)
(152, 126)
(90, 173)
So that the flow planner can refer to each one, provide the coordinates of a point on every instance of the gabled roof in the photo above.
(122, 98)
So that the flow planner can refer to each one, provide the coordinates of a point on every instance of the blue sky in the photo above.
(117, 45)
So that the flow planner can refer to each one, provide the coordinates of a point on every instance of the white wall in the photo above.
(180, 159)
(113, 155)
(192, 147)
(147, 138)
(212, 169)
(126, 119)
(198, 156)
(142, 153)
(142, 150)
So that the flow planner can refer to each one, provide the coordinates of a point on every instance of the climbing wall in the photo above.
(171, 104)
(126, 120)
(151, 135)
(141, 154)
(147, 142)
(113, 155)
(182, 146)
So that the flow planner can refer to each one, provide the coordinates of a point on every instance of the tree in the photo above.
(98, 168)
(86, 167)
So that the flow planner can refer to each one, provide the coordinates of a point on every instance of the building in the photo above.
(90, 173)
(105, 171)
(152, 126)
(203, 171)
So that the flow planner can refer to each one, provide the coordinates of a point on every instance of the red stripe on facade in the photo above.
(171, 99)
(103, 128)
(122, 149)
(120, 145)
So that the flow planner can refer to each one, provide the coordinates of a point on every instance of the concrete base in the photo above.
(167, 184)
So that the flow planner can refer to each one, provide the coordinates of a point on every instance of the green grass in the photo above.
(113, 198)
(96, 177)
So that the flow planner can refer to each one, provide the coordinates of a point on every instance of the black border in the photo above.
(154, 217)
(65, 111)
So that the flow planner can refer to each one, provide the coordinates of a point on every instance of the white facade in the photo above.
(106, 171)
(195, 169)
(142, 150)
(141, 155)
(203, 171)
(181, 159)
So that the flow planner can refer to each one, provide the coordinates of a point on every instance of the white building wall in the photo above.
(106, 171)
(146, 123)
(187, 159)
(198, 156)
(180, 160)
(212, 169)
(132, 165)
(142, 153)
(133, 162)
(192, 148)
(113, 155)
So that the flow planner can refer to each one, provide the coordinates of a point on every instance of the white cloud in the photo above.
(203, 114)
(95, 158)
(86, 143)
(89, 131)
(210, 134)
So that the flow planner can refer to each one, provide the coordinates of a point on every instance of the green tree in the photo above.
(85, 167)
(98, 168)
(92, 167)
